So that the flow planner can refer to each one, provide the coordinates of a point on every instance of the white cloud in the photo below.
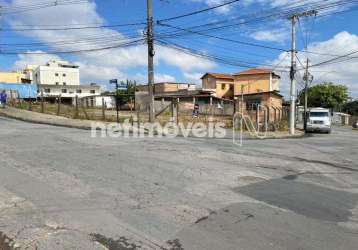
(183, 61)
(193, 77)
(339, 73)
(99, 65)
(164, 78)
(33, 59)
(159, 77)
(278, 35)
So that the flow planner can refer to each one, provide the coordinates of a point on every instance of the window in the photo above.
(64, 75)
(232, 87)
(252, 104)
(223, 86)
(79, 91)
(93, 91)
(57, 83)
(64, 83)
(56, 74)
(319, 114)
(64, 91)
(47, 90)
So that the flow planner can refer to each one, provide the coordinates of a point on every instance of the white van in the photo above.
(319, 119)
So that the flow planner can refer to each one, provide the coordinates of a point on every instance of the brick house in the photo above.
(257, 87)
(220, 85)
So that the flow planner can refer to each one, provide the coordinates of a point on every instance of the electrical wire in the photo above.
(222, 38)
(77, 28)
(120, 45)
(6, 10)
(199, 11)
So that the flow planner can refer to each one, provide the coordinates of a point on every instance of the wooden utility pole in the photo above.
(151, 53)
(58, 105)
(103, 109)
(75, 116)
(42, 102)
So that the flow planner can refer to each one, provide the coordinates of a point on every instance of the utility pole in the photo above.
(292, 76)
(308, 78)
(151, 53)
(294, 19)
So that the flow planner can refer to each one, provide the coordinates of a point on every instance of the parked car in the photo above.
(355, 124)
(319, 119)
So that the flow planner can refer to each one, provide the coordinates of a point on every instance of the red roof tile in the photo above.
(254, 72)
(218, 75)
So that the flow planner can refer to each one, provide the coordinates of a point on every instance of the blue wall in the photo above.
(24, 90)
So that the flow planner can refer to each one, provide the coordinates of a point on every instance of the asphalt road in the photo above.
(62, 189)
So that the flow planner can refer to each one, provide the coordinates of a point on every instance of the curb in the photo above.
(62, 123)
(35, 121)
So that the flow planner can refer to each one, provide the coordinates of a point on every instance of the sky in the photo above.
(39, 34)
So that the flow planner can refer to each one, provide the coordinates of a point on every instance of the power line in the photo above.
(227, 61)
(25, 8)
(336, 58)
(273, 13)
(222, 38)
(77, 28)
(199, 11)
(122, 45)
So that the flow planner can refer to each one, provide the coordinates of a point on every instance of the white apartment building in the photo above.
(68, 91)
(57, 73)
(59, 78)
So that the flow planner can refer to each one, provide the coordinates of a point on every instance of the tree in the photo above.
(351, 108)
(326, 95)
(126, 95)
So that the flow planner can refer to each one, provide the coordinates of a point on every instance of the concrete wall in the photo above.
(255, 83)
(56, 76)
(72, 91)
(11, 77)
(218, 107)
(167, 87)
(220, 86)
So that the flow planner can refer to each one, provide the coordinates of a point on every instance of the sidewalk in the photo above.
(53, 120)
(60, 121)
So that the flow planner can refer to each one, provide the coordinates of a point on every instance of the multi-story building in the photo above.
(57, 73)
(59, 78)
(257, 87)
(220, 85)
(256, 81)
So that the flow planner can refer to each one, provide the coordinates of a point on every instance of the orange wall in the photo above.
(223, 89)
(252, 83)
(255, 83)
(11, 77)
(215, 84)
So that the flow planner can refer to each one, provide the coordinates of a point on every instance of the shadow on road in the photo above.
(303, 198)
